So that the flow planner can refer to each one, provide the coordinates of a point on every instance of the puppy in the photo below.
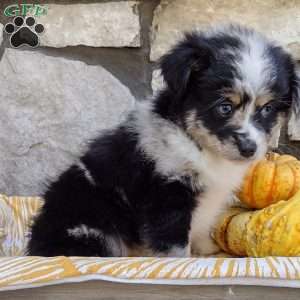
(156, 184)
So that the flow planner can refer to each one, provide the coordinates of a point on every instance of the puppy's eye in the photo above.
(225, 109)
(266, 110)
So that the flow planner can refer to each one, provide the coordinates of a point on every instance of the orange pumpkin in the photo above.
(275, 178)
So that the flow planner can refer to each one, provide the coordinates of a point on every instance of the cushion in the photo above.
(18, 271)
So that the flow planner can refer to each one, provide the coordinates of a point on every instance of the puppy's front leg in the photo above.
(166, 237)
(204, 219)
(202, 243)
(167, 218)
(202, 226)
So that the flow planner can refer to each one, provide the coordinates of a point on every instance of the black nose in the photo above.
(246, 146)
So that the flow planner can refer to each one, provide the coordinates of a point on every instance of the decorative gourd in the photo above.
(272, 231)
(275, 178)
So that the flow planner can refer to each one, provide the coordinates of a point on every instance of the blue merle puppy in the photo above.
(156, 184)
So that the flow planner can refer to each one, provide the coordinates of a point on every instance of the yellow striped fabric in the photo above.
(17, 271)
(22, 272)
(16, 215)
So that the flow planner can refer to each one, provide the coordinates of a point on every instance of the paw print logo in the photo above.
(24, 31)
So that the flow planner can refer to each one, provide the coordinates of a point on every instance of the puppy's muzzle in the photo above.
(247, 147)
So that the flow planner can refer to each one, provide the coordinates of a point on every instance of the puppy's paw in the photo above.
(175, 252)
(205, 247)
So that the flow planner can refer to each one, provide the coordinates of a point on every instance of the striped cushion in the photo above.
(23, 272)
(17, 271)
(16, 214)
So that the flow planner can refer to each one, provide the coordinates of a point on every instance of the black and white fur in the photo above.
(155, 184)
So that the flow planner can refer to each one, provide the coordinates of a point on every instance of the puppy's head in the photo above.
(231, 89)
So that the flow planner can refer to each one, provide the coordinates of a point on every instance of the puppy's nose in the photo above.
(246, 146)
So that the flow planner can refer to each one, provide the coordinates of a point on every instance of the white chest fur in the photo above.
(220, 178)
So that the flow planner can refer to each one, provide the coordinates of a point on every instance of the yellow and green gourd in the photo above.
(272, 231)
(274, 178)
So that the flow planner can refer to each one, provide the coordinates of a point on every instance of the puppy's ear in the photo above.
(296, 94)
(294, 120)
(192, 55)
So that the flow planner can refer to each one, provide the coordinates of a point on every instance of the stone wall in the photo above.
(95, 60)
